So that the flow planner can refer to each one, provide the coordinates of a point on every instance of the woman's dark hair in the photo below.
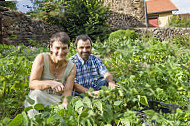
(84, 38)
(60, 37)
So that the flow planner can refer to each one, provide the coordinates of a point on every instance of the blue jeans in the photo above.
(101, 82)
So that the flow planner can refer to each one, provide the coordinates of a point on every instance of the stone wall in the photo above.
(164, 33)
(126, 13)
(19, 28)
(123, 21)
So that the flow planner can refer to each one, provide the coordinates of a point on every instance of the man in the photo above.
(91, 72)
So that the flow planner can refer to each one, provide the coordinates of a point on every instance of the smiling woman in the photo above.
(52, 75)
(59, 51)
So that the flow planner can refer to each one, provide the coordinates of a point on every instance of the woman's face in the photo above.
(59, 51)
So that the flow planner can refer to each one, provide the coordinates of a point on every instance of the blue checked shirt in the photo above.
(88, 72)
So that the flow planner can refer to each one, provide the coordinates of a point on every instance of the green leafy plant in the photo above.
(77, 17)
(179, 21)
(9, 4)
(144, 69)
(122, 34)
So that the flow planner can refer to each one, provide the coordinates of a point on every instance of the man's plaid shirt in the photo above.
(88, 72)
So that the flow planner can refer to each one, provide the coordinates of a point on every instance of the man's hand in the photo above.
(93, 94)
(109, 78)
(64, 105)
(111, 84)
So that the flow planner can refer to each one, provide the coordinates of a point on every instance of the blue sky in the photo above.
(182, 5)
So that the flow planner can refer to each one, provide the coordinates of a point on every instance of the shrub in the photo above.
(9, 4)
(181, 41)
(177, 21)
(117, 35)
(123, 34)
(77, 17)
(130, 34)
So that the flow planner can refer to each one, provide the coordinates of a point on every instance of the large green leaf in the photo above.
(116, 103)
(39, 107)
(144, 101)
(6, 120)
(17, 121)
(28, 108)
(79, 106)
(97, 104)
(87, 101)
(29, 100)
(25, 119)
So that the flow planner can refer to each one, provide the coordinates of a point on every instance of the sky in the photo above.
(182, 5)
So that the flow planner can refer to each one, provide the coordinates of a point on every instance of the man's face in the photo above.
(84, 49)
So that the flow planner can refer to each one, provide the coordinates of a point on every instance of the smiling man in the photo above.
(91, 72)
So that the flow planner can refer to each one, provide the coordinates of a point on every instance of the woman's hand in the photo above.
(57, 87)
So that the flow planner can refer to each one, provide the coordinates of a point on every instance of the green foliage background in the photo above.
(9, 4)
(76, 16)
(144, 70)
(177, 21)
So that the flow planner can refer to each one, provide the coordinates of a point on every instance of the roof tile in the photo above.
(157, 6)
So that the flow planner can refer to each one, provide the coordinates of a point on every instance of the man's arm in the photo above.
(80, 89)
(109, 78)
(104, 72)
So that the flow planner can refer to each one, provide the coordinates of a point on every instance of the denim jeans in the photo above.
(101, 82)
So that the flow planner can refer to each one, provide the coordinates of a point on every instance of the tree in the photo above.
(77, 16)
(86, 17)
(9, 4)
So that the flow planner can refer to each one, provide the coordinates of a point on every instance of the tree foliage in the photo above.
(76, 16)
(177, 21)
(9, 4)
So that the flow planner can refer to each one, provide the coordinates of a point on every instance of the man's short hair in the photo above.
(60, 37)
(84, 38)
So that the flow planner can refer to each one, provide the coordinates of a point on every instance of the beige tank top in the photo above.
(46, 75)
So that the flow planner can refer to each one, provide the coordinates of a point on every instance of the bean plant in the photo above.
(144, 71)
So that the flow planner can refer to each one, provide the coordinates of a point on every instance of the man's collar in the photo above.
(81, 60)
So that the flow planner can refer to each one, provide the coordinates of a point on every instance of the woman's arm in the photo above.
(69, 86)
(36, 73)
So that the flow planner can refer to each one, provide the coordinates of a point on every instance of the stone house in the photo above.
(159, 12)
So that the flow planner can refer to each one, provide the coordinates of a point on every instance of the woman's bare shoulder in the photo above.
(39, 58)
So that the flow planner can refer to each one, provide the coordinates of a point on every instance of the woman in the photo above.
(52, 75)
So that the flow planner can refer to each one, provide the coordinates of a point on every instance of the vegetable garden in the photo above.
(144, 68)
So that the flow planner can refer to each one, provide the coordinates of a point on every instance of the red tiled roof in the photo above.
(157, 6)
